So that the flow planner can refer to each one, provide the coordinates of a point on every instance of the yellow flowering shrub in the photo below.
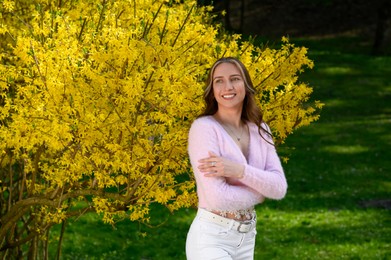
(96, 99)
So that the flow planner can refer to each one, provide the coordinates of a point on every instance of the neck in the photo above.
(233, 118)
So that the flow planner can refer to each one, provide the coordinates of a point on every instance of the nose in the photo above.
(228, 85)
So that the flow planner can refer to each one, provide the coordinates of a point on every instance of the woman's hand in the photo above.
(217, 166)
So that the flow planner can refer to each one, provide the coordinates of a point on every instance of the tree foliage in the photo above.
(96, 99)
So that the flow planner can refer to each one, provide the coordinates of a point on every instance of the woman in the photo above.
(235, 166)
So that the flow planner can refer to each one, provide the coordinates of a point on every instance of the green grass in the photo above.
(338, 166)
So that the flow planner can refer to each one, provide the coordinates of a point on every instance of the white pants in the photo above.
(207, 240)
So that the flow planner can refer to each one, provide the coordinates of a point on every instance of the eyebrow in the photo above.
(233, 75)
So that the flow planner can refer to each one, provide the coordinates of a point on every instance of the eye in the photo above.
(236, 78)
(217, 81)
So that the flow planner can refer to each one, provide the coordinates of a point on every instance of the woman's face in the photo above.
(228, 86)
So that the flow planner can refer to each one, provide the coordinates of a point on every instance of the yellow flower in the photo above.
(8, 5)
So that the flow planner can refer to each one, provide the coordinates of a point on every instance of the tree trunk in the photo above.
(382, 28)
(242, 11)
(227, 18)
(32, 253)
(60, 240)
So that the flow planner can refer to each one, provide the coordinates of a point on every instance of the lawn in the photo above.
(339, 198)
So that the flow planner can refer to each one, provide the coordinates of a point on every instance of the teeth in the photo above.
(229, 96)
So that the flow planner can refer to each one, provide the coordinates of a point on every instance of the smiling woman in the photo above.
(235, 166)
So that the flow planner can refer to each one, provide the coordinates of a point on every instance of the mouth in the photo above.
(229, 96)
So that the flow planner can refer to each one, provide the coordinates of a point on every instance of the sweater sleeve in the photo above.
(215, 192)
(270, 181)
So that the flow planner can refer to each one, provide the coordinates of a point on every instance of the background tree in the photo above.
(96, 99)
(362, 19)
(383, 27)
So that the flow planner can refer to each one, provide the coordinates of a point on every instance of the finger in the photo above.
(205, 160)
(212, 154)
(211, 174)
(206, 167)
(206, 163)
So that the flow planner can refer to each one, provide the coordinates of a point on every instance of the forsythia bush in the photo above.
(96, 99)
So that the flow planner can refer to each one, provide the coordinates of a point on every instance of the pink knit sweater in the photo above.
(263, 174)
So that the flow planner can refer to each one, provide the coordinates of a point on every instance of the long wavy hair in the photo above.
(250, 112)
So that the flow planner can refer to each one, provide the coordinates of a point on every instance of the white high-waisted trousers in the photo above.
(207, 239)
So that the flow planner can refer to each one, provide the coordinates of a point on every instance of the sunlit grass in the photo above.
(339, 70)
(345, 149)
(322, 234)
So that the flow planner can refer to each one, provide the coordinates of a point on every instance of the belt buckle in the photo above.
(247, 229)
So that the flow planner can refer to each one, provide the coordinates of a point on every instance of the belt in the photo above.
(240, 226)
